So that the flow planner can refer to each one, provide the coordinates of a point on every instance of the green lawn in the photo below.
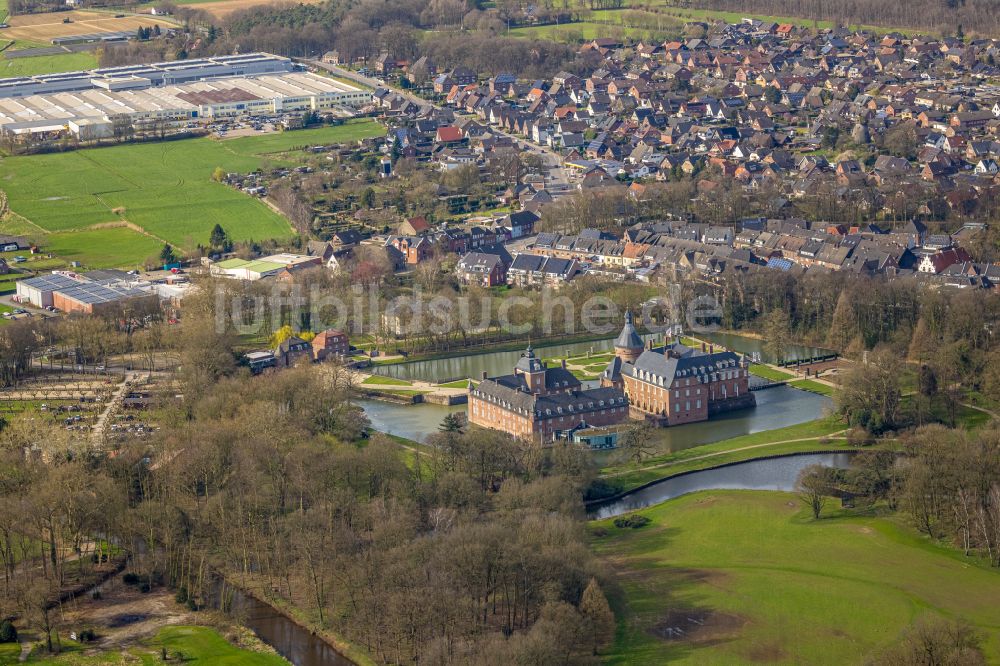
(252, 146)
(203, 645)
(9, 653)
(388, 381)
(809, 436)
(770, 585)
(164, 188)
(457, 384)
(47, 64)
(812, 386)
(770, 373)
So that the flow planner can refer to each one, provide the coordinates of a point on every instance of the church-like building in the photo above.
(676, 384)
(541, 403)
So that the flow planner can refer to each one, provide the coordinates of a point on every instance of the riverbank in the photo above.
(722, 577)
(823, 434)
(291, 610)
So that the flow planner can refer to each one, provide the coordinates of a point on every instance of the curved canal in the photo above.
(777, 473)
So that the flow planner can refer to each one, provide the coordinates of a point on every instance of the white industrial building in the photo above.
(87, 104)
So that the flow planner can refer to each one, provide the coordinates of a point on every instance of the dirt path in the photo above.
(116, 399)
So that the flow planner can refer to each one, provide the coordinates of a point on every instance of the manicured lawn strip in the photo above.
(641, 477)
(798, 591)
(770, 373)
(631, 475)
(46, 64)
(812, 386)
(379, 379)
(457, 384)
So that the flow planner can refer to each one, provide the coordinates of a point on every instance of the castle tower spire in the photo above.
(628, 344)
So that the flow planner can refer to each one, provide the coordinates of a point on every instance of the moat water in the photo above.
(778, 473)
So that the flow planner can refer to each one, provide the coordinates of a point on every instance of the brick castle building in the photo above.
(676, 384)
(669, 385)
(541, 403)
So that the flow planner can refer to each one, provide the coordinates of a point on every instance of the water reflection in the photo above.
(771, 474)
(416, 422)
(464, 366)
(776, 408)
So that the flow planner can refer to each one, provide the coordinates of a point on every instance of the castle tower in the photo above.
(533, 371)
(628, 344)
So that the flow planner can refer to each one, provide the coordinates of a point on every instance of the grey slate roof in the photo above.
(628, 338)
(693, 363)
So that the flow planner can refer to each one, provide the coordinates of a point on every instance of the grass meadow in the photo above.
(163, 188)
(771, 585)
(46, 64)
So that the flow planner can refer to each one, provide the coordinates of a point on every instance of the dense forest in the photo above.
(469, 552)
(402, 29)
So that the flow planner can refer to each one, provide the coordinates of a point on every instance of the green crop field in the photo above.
(164, 188)
(771, 585)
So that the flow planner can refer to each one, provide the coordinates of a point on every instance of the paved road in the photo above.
(558, 180)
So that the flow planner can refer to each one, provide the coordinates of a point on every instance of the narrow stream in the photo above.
(293, 642)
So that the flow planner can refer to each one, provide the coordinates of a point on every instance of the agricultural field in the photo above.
(45, 27)
(750, 578)
(587, 30)
(164, 190)
(223, 8)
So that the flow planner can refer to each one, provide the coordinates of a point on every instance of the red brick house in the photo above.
(330, 343)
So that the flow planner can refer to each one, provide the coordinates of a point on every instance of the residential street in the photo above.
(558, 177)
